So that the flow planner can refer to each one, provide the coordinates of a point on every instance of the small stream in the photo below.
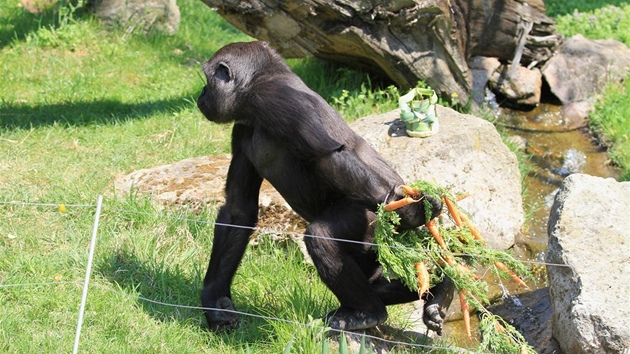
(556, 153)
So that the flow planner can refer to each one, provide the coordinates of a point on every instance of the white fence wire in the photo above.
(86, 283)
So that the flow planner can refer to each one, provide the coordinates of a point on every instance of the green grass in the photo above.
(557, 8)
(612, 114)
(79, 105)
(612, 119)
(600, 23)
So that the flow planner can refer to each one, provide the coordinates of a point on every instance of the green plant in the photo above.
(80, 105)
(367, 101)
(453, 252)
(558, 8)
(601, 23)
(611, 120)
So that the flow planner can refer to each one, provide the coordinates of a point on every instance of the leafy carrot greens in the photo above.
(453, 251)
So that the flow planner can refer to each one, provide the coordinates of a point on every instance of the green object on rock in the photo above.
(417, 110)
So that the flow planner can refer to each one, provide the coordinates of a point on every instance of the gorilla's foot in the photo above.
(433, 317)
(350, 319)
(436, 304)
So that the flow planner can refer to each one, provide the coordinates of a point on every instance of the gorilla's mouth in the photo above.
(202, 104)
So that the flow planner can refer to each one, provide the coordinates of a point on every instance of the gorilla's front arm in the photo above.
(233, 227)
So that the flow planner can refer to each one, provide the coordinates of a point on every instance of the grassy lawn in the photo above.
(80, 105)
(612, 115)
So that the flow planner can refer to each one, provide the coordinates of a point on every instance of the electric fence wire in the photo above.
(100, 206)
(312, 325)
(261, 230)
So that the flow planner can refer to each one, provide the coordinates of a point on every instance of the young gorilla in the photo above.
(286, 133)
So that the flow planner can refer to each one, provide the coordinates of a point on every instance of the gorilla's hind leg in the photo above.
(338, 268)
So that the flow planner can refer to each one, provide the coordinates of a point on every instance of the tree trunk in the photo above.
(407, 40)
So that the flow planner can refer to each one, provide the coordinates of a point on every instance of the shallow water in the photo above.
(556, 153)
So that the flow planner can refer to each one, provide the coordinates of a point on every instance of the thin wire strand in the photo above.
(56, 205)
(300, 234)
(17, 285)
(261, 229)
(263, 317)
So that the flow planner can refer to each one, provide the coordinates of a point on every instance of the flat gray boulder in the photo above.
(589, 239)
(467, 155)
(200, 181)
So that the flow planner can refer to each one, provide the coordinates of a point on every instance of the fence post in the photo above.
(88, 272)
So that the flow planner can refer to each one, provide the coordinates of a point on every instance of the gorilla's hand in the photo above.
(219, 313)
(415, 214)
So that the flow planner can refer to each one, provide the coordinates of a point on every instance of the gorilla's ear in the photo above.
(223, 72)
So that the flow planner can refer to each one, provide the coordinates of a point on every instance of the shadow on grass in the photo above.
(157, 283)
(18, 24)
(108, 111)
(172, 296)
(164, 286)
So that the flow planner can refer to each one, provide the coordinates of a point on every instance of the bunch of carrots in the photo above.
(421, 257)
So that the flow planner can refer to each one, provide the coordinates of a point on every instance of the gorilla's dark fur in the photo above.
(286, 133)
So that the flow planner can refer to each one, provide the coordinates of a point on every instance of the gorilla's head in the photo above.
(231, 74)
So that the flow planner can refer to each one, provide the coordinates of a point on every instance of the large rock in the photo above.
(195, 182)
(582, 67)
(589, 239)
(467, 155)
(518, 84)
(139, 15)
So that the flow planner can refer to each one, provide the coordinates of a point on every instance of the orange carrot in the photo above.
(471, 227)
(514, 277)
(397, 204)
(410, 191)
(424, 280)
(499, 327)
(432, 226)
(462, 196)
(452, 209)
(450, 260)
(465, 312)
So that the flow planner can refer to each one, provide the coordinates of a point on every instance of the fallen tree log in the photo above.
(406, 40)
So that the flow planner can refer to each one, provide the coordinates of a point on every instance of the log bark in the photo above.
(407, 40)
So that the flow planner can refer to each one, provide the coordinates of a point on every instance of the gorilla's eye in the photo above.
(222, 72)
